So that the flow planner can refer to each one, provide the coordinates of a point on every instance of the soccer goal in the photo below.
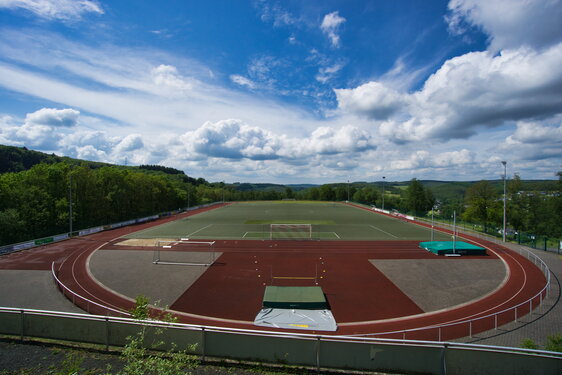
(184, 253)
(290, 231)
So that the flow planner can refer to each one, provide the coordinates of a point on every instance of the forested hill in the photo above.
(451, 190)
(37, 191)
(17, 159)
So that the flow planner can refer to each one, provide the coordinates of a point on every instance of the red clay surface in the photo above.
(362, 299)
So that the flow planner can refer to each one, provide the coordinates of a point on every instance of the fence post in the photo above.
(444, 359)
(22, 322)
(203, 349)
(106, 333)
(318, 354)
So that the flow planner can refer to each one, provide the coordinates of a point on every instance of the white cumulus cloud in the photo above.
(474, 90)
(535, 141)
(424, 159)
(40, 129)
(54, 117)
(373, 100)
(234, 139)
(330, 26)
(167, 76)
(509, 23)
(131, 142)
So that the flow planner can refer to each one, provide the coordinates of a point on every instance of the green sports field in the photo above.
(330, 221)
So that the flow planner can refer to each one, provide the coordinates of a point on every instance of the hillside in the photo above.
(17, 159)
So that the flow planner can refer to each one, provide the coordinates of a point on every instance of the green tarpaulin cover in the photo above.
(294, 297)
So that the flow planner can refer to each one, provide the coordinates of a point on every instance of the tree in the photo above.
(12, 226)
(341, 193)
(367, 195)
(418, 200)
(313, 194)
(516, 207)
(289, 194)
(326, 193)
(481, 200)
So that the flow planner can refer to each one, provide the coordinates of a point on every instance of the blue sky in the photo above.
(288, 91)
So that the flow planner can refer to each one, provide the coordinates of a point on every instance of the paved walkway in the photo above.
(543, 322)
(32, 289)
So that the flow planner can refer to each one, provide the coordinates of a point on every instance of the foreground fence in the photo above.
(335, 352)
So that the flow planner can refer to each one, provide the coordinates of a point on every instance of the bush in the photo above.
(529, 344)
(554, 343)
(140, 361)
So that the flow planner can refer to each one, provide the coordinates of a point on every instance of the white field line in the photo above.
(245, 234)
(198, 230)
(336, 235)
(379, 229)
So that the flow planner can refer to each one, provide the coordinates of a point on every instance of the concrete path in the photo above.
(543, 322)
(32, 290)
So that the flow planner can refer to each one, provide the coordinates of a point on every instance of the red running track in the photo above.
(340, 267)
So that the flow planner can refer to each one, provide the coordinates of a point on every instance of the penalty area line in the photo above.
(199, 230)
(379, 229)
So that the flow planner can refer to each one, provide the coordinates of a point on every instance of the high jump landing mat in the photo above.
(293, 307)
(452, 248)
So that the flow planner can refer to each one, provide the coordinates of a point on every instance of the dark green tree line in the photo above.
(35, 203)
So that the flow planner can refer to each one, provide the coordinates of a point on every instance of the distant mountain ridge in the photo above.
(17, 159)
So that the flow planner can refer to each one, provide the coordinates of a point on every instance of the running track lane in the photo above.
(524, 281)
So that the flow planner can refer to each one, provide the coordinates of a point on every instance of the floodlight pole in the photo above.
(348, 191)
(432, 235)
(69, 205)
(383, 191)
(454, 231)
(504, 198)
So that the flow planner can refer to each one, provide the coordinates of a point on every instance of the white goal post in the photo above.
(183, 252)
(290, 231)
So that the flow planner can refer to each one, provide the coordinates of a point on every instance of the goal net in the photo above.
(290, 231)
(184, 253)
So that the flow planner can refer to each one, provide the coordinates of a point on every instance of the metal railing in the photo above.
(314, 351)
(83, 302)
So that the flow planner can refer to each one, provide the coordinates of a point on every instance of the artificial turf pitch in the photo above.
(330, 221)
